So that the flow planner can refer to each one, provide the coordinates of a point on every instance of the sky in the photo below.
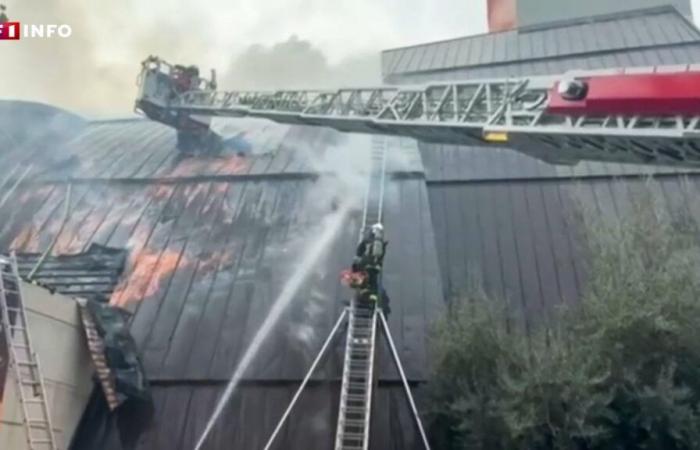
(251, 43)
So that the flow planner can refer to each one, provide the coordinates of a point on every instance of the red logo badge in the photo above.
(9, 31)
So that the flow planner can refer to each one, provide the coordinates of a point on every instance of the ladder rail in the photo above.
(374, 194)
(382, 182)
(404, 380)
(370, 380)
(31, 363)
(354, 368)
(312, 369)
(346, 378)
(365, 334)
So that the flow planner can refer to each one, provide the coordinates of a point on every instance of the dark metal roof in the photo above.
(637, 38)
(198, 246)
(134, 150)
(456, 164)
(208, 259)
(210, 243)
(51, 125)
(520, 237)
(182, 411)
(90, 274)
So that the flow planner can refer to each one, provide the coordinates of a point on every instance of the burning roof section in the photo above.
(92, 274)
(210, 242)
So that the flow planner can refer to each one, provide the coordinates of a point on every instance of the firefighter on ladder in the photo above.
(365, 274)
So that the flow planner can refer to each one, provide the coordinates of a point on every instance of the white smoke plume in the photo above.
(297, 64)
(251, 43)
(78, 73)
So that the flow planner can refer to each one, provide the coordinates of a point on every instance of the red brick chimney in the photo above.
(502, 15)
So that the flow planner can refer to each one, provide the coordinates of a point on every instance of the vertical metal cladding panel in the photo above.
(536, 51)
(537, 12)
(532, 248)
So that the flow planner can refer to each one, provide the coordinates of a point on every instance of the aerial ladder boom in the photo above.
(636, 115)
(642, 115)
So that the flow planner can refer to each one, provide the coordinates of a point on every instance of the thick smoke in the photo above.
(297, 63)
(63, 72)
(89, 75)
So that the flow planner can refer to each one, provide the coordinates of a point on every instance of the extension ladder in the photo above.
(358, 377)
(24, 361)
(374, 196)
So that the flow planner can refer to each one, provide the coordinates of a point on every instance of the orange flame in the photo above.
(234, 165)
(191, 167)
(150, 271)
(219, 258)
(25, 241)
(162, 191)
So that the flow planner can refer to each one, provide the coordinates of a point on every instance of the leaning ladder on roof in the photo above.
(24, 361)
(355, 409)
(355, 406)
(378, 318)
(374, 195)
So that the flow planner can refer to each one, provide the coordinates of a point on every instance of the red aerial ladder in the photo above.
(640, 115)
(635, 115)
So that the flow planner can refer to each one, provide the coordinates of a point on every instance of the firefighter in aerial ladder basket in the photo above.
(185, 78)
(365, 274)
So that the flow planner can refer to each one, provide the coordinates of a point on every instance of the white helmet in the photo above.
(377, 229)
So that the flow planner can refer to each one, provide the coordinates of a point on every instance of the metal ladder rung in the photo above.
(23, 360)
(356, 393)
(362, 332)
(354, 409)
(354, 423)
(360, 350)
(26, 363)
(36, 422)
(355, 397)
(353, 436)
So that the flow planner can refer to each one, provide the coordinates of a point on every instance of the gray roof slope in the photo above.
(253, 408)
(50, 124)
(211, 241)
(521, 239)
(669, 39)
(209, 251)
(92, 274)
(136, 150)
(455, 164)
(635, 31)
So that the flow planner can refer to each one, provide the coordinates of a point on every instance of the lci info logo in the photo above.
(14, 31)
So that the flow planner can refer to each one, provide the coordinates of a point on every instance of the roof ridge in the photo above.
(628, 14)
(548, 58)
(607, 17)
(116, 120)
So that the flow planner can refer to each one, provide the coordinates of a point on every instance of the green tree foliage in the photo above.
(621, 370)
